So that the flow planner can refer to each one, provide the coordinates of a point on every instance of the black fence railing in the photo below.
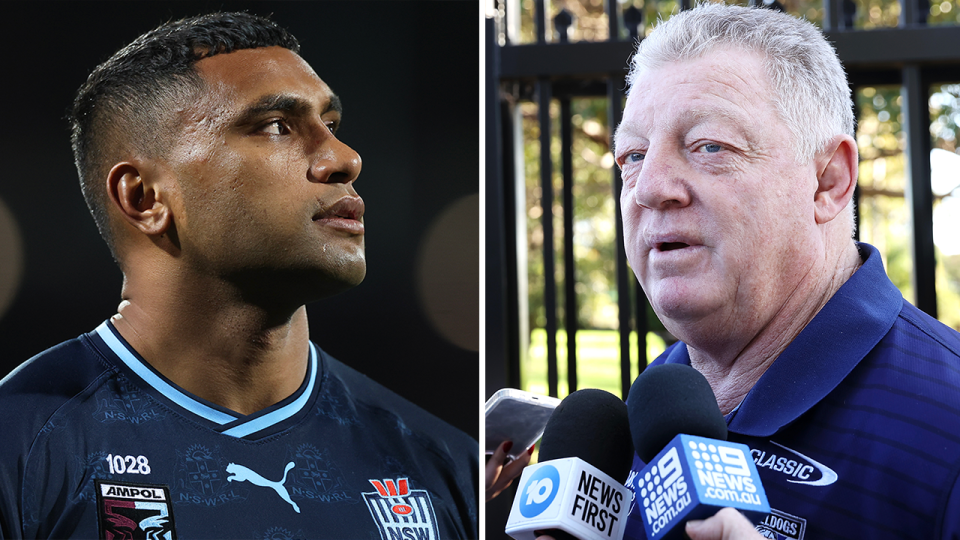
(911, 55)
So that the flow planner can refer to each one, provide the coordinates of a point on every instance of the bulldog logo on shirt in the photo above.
(782, 526)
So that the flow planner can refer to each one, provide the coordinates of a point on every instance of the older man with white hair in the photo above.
(739, 166)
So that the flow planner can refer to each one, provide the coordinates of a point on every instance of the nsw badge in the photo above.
(401, 512)
(134, 511)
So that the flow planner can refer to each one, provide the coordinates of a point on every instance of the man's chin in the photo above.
(329, 283)
(678, 311)
(299, 286)
(679, 296)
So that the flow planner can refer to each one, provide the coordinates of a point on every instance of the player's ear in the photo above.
(141, 199)
(836, 178)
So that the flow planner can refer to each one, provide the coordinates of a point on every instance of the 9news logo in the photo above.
(539, 491)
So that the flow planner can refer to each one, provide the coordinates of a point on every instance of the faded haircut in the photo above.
(128, 103)
(809, 85)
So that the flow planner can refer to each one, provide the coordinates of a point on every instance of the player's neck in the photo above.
(214, 344)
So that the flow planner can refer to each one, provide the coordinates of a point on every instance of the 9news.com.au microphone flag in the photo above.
(693, 478)
(692, 471)
(578, 486)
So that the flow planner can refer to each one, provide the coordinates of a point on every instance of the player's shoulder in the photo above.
(42, 385)
(378, 403)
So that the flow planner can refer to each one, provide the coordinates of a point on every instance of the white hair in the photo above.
(809, 85)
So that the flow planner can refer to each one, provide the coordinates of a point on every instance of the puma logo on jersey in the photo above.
(239, 473)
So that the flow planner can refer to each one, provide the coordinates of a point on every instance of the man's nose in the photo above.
(660, 183)
(335, 162)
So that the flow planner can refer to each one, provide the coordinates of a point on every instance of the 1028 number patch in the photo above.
(128, 464)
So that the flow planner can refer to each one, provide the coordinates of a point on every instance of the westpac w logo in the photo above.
(402, 513)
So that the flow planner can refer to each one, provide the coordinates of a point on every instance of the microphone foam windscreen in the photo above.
(592, 425)
(670, 399)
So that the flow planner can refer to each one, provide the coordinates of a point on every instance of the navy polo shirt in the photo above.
(855, 428)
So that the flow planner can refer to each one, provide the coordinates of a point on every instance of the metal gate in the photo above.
(913, 55)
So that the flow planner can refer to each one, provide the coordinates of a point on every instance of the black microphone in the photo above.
(576, 490)
(692, 471)
(669, 399)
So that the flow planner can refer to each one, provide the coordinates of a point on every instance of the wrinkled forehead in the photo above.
(726, 83)
(721, 62)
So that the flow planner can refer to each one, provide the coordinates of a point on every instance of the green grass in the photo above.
(598, 360)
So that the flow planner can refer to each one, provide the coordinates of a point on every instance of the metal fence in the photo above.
(913, 55)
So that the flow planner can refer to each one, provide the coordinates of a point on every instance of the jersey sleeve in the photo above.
(29, 397)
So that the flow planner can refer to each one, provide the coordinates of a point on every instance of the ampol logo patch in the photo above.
(134, 511)
(402, 513)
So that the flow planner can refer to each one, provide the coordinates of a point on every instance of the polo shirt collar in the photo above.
(848, 327)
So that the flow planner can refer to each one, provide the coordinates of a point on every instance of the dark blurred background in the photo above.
(408, 75)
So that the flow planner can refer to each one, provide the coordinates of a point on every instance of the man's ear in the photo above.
(836, 178)
(141, 200)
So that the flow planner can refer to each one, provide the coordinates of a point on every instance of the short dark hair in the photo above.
(126, 102)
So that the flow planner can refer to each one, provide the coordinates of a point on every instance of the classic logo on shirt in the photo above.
(401, 512)
(800, 469)
(134, 511)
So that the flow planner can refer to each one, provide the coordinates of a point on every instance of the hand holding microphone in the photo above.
(727, 524)
(692, 471)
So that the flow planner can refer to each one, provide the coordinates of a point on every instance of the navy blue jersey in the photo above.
(855, 428)
(96, 444)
